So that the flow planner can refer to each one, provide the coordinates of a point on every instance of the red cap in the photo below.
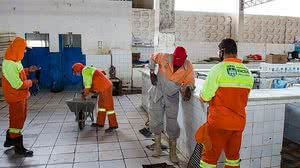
(179, 56)
(77, 67)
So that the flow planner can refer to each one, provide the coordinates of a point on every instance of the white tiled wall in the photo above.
(200, 26)
(265, 29)
(105, 21)
(145, 52)
(143, 25)
(198, 51)
(292, 29)
(266, 137)
(262, 137)
(262, 140)
(99, 61)
(137, 77)
(122, 60)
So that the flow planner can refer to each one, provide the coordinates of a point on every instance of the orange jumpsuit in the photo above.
(226, 89)
(15, 86)
(164, 97)
(102, 85)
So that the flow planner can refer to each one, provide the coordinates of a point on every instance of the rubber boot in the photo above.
(173, 154)
(20, 149)
(110, 129)
(157, 144)
(97, 125)
(9, 141)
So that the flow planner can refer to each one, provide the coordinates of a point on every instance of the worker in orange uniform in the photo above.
(16, 92)
(226, 89)
(95, 80)
(175, 75)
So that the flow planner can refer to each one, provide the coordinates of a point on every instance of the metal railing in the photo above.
(252, 3)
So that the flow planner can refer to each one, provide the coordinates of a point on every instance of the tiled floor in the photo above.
(53, 134)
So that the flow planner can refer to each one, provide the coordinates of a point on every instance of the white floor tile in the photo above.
(60, 166)
(86, 157)
(136, 163)
(109, 146)
(112, 164)
(131, 145)
(86, 165)
(61, 158)
(63, 149)
(36, 160)
(87, 148)
(134, 153)
(110, 155)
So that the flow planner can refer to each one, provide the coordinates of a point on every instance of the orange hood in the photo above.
(15, 52)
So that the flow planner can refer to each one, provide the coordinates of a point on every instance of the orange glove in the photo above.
(85, 93)
(26, 84)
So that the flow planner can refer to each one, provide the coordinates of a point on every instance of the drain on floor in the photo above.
(159, 165)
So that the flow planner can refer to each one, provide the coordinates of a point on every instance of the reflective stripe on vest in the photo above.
(11, 72)
(110, 112)
(236, 85)
(228, 75)
(206, 165)
(233, 163)
(102, 110)
(87, 75)
(15, 130)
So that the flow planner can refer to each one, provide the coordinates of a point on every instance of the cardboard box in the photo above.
(276, 59)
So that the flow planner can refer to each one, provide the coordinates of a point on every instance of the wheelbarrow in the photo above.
(83, 109)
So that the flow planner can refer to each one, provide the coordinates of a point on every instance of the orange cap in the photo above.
(77, 67)
(179, 56)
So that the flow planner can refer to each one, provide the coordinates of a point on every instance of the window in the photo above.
(37, 39)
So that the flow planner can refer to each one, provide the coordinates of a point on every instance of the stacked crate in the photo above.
(5, 41)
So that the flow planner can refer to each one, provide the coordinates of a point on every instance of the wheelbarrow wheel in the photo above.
(81, 120)
(81, 125)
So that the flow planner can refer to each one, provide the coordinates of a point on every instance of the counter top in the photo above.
(261, 94)
(255, 94)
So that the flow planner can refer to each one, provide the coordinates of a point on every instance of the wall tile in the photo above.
(268, 127)
(258, 116)
(265, 162)
(255, 163)
(245, 164)
(245, 153)
(266, 150)
(258, 128)
(267, 139)
(257, 140)
(276, 149)
(277, 138)
(256, 151)
(250, 116)
(246, 142)
(275, 161)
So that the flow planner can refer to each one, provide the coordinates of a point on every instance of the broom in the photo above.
(194, 161)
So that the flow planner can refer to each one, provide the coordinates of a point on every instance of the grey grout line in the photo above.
(77, 137)
(55, 143)
(38, 134)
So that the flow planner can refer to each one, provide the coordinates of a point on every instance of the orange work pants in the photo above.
(17, 117)
(106, 106)
(221, 139)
